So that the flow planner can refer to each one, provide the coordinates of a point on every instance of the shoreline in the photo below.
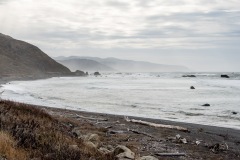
(115, 130)
(116, 125)
(5, 81)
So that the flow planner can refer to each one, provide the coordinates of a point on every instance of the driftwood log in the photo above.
(91, 118)
(170, 154)
(156, 124)
(143, 133)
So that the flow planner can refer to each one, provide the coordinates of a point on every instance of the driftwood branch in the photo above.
(171, 154)
(143, 133)
(156, 125)
(91, 118)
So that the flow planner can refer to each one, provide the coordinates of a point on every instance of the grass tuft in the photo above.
(8, 148)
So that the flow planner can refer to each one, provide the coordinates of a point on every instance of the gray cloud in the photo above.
(125, 28)
(117, 4)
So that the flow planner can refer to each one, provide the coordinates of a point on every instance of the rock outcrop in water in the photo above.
(192, 87)
(80, 73)
(21, 59)
(97, 74)
(224, 76)
(192, 76)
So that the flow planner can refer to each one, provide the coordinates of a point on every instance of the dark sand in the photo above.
(114, 131)
(151, 140)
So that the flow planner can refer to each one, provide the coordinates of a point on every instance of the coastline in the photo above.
(147, 140)
(164, 142)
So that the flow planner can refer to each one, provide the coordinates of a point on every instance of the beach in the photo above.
(198, 142)
(149, 140)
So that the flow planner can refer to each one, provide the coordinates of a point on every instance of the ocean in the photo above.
(152, 95)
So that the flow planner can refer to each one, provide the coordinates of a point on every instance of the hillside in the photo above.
(18, 58)
(130, 65)
(85, 65)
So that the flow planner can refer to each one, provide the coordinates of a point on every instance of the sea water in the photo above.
(152, 95)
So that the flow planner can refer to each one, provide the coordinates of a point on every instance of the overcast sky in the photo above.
(203, 35)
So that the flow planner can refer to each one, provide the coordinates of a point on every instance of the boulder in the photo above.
(224, 76)
(189, 76)
(122, 152)
(148, 158)
(234, 113)
(79, 73)
(192, 87)
(97, 74)
(206, 105)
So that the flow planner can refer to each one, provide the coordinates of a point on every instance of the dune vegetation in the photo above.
(28, 132)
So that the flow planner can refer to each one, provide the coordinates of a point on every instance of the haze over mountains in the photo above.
(19, 58)
(85, 65)
(114, 64)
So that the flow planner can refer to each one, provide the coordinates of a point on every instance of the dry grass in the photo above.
(42, 135)
(8, 148)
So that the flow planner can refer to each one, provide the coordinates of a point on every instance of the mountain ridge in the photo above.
(84, 65)
(129, 65)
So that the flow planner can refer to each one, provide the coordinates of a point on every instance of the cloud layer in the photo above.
(156, 30)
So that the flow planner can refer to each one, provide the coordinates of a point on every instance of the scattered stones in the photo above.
(178, 136)
(198, 142)
(180, 139)
(183, 140)
(192, 87)
(122, 152)
(189, 76)
(148, 158)
(216, 148)
(97, 74)
(206, 105)
(224, 76)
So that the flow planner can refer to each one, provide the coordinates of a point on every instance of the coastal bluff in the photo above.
(22, 59)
